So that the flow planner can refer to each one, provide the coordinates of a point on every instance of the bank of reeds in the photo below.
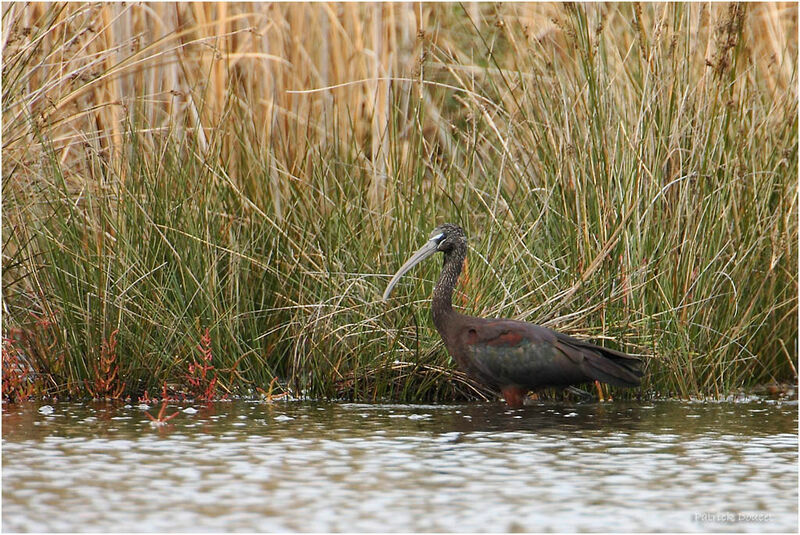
(239, 181)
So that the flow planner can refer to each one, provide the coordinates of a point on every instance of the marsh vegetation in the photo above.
(208, 199)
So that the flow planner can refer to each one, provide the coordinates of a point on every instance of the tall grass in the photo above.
(626, 173)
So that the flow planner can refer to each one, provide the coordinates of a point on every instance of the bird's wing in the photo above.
(514, 352)
(517, 353)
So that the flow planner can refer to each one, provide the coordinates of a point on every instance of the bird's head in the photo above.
(444, 238)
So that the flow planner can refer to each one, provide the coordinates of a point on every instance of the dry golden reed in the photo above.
(301, 73)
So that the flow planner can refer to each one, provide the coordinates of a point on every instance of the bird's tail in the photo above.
(608, 365)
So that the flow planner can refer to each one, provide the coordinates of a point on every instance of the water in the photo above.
(247, 466)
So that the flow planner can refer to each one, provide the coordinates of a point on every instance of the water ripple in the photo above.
(357, 467)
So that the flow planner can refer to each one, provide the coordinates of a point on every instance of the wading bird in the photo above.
(511, 356)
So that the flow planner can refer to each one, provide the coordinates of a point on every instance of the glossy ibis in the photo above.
(508, 355)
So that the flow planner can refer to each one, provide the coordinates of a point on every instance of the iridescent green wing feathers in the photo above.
(512, 352)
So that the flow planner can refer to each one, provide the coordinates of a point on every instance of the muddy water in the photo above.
(247, 466)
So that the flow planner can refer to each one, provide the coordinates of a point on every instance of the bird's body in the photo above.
(508, 355)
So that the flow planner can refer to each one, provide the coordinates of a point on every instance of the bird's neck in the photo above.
(442, 305)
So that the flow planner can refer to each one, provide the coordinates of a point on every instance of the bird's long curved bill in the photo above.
(424, 252)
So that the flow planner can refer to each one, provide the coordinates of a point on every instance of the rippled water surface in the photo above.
(248, 466)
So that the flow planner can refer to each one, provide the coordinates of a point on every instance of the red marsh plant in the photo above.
(161, 419)
(18, 378)
(202, 385)
(106, 383)
(32, 363)
(145, 398)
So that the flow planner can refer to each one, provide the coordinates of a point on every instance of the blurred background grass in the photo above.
(625, 172)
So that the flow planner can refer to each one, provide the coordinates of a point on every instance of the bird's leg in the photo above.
(514, 396)
(599, 391)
